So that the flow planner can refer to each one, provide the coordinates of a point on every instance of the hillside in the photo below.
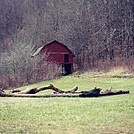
(88, 81)
(101, 115)
(100, 33)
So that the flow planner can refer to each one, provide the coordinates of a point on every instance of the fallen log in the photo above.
(96, 92)
(30, 90)
(39, 95)
(36, 90)
(92, 93)
(113, 92)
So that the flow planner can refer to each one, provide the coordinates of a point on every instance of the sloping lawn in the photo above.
(102, 115)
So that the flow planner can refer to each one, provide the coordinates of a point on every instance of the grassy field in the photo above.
(102, 115)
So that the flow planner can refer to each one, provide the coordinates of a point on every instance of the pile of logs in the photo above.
(61, 93)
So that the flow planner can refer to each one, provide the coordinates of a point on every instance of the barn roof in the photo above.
(38, 51)
(40, 48)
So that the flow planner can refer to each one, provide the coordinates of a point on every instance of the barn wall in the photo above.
(56, 52)
(59, 58)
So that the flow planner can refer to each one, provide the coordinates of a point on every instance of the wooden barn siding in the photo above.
(59, 58)
(56, 53)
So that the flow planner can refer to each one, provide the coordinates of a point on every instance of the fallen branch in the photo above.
(36, 90)
(38, 95)
(60, 93)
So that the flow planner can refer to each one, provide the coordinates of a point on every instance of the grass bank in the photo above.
(102, 115)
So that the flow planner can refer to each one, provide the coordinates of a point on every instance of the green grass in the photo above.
(102, 115)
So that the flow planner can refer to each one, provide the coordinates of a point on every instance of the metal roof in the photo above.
(40, 48)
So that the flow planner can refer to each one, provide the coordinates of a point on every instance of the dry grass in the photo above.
(119, 69)
(115, 64)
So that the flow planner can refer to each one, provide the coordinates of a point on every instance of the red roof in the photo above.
(45, 46)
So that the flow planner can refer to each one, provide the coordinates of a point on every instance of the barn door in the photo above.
(67, 69)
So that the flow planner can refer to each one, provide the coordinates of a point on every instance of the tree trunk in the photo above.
(36, 90)
(96, 92)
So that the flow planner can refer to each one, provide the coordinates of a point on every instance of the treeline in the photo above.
(99, 32)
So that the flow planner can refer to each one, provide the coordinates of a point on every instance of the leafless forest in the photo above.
(99, 32)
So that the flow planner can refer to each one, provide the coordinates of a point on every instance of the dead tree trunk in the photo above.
(113, 92)
(60, 93)
(36, 90)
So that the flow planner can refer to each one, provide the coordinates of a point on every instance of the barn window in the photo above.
(66, 57)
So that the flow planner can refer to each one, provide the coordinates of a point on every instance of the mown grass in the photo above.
(102, 115)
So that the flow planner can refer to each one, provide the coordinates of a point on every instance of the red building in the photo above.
(58, 53)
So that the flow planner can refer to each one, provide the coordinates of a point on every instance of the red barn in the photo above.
(58, 53)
